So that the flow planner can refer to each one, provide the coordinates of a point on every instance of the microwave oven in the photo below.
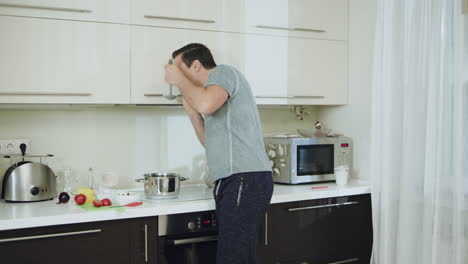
(307, 160)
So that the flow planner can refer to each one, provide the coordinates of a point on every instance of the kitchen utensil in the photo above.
(27, 181)
(170, 96)
(161, 185)
(128, 205)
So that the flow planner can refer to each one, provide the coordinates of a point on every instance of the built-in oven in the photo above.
(189, 238)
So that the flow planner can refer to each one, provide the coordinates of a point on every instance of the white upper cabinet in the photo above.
(152, 48)
(200, 14)
(284, 70)
(321, 19)
(317, 72)
(61, 61)
(114, 11)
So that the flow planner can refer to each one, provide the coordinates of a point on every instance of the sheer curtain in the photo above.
(418, 133)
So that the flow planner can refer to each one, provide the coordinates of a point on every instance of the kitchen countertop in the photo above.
(192, 198)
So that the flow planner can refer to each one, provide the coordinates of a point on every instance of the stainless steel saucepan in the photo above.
(161, 185)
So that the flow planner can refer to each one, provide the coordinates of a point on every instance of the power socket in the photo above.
(12, 146)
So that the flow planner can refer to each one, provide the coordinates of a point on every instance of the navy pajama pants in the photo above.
(241, 200)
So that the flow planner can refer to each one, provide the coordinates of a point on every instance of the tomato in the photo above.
(80, 199)
(97, 203)
(106, 202)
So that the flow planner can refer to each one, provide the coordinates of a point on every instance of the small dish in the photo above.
(124, 198)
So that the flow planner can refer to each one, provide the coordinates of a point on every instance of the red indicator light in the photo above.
(344, 145)
(206, 222)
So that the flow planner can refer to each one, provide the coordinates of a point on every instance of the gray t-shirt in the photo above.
(233, 134)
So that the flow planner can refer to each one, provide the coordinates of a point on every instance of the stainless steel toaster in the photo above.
(28, 181)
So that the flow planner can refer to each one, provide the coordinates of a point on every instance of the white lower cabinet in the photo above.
(63, 62)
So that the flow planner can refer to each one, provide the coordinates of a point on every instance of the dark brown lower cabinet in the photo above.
(324, 231)
(117, 242)
(335, 230)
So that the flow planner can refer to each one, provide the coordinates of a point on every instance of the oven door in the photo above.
(314, 163)
(199, 248)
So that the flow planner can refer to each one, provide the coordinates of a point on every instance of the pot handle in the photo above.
(140, 180)
(183, 178)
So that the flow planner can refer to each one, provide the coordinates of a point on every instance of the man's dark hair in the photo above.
(196, 51)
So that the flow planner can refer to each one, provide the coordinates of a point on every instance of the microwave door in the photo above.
(316, 159)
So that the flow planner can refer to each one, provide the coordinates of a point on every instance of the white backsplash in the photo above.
(125, 140)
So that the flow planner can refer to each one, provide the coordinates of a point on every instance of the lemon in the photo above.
(89, 193)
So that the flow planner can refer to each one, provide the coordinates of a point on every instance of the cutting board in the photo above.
(90, 208)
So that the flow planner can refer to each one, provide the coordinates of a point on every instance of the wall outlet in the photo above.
(2, 147)
(12, 146)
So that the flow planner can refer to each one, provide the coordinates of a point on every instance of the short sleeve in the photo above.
(225, 77)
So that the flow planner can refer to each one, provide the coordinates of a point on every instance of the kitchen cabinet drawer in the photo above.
(202, 14)
(119, 241)
(60, 61)
(334, 230)
(152, 47)
(98, 242)
(115, 11)
(321, 19)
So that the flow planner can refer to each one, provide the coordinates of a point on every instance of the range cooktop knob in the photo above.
(35, 190)
(191, 226)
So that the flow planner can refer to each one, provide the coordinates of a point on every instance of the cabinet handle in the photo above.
(159, 95)
(181, 19)
(50, 235)
(320, 206)
(47, 8)
(44, 94)
(292, 96)
(310, 30)
(273, 27)
(266, 229)
(153, 95)
(344, 261)
(176, 242)
(292, 29)
(146, 243)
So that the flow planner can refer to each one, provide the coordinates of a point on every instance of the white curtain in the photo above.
(418, 133)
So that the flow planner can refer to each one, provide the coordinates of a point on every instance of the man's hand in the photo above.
(173, 74)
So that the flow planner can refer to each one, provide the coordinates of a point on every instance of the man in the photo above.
(222, 109)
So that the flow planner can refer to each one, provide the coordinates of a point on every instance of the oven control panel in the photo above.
(187, 223)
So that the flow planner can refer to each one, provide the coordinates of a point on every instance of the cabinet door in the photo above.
(334, 230)
(144, 247)
(116, 11)
(99, 242)
(284, 70)
(317, 72)
(152, 47)
(59, 61)
(303, 235)
(321, 19)
(201, 14)
(353, 230)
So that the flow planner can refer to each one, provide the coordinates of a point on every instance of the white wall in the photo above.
(125, 140)
(353, 119)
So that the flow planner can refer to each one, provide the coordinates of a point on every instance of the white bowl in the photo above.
(124, 198)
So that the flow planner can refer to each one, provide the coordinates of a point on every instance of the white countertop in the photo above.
(191, 199)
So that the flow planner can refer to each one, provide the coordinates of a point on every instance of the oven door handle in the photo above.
(202, 239)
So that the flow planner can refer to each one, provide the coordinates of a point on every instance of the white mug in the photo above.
(342, 175)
